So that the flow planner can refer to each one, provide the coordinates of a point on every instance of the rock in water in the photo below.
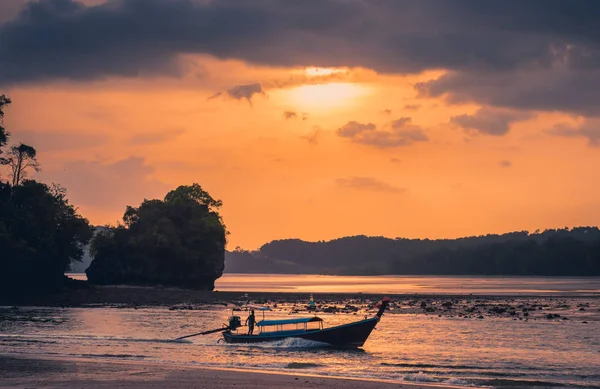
(179, 241)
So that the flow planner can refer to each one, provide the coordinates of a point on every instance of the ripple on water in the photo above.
(302, 365)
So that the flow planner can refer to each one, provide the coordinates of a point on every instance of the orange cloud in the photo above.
(368, 183)
(400, 133)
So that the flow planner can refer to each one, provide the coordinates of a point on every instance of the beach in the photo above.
(451, 345)
(21, 373)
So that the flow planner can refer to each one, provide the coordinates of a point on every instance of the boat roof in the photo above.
(297, 320)
(258, 307)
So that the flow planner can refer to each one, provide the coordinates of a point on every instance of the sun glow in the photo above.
(325, 96)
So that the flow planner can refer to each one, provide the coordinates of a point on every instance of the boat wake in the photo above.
(288, 343)
(420, 377)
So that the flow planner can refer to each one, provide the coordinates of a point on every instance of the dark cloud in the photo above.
(313, 136)
(368, 183)
(505, 163)
(560, 89)
(395, 160)
(295, 115)
(387, 112)
(412, 107)
(10, 8)
(312, 79)
(54, 39)
(355, 128)
(400, 123)
(400, 133)
(290, 115)
(489, 121)
(589, 129)
(241, 92)
(108, 185)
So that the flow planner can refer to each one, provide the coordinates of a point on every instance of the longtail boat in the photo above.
(351, 335)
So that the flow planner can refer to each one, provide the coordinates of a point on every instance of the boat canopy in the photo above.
(298, 320)
(258, 307)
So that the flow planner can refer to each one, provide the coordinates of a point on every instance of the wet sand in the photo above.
(31, 373)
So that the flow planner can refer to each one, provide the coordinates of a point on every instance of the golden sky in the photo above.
(313, 152)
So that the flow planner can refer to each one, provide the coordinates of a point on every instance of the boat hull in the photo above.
(350, 335)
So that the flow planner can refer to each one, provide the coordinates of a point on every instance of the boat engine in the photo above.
(234, 322)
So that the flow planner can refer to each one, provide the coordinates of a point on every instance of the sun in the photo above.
(324, 89)
(325, 95)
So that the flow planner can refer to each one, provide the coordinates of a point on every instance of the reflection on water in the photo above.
(409, 284)
(405, 284)
(403, 347)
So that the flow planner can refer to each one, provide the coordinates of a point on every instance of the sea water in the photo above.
(406, 347)
(477, 285)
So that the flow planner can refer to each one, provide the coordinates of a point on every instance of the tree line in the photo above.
(555, 252)
(40, 231)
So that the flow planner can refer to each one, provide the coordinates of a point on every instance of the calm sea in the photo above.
(406, 347)
(499, 286)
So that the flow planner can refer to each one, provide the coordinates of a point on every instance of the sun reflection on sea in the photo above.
(312, 283)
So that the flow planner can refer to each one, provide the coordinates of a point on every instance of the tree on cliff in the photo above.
(176, 241)
(20, 158)
(40, 232)
(4, 102)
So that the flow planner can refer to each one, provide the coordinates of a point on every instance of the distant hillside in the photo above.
(562, 252)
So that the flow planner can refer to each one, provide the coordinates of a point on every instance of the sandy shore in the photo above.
(79, 373)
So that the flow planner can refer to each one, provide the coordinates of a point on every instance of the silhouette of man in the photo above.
(250, 321)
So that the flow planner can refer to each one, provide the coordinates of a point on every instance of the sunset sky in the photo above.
(315, 119)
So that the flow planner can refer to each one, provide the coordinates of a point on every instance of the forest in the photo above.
(40, 232)
(560, 252)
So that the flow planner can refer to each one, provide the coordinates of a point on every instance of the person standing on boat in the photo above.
(250, 321)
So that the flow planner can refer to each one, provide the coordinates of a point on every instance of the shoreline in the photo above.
(466, 307)
(21, 372)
